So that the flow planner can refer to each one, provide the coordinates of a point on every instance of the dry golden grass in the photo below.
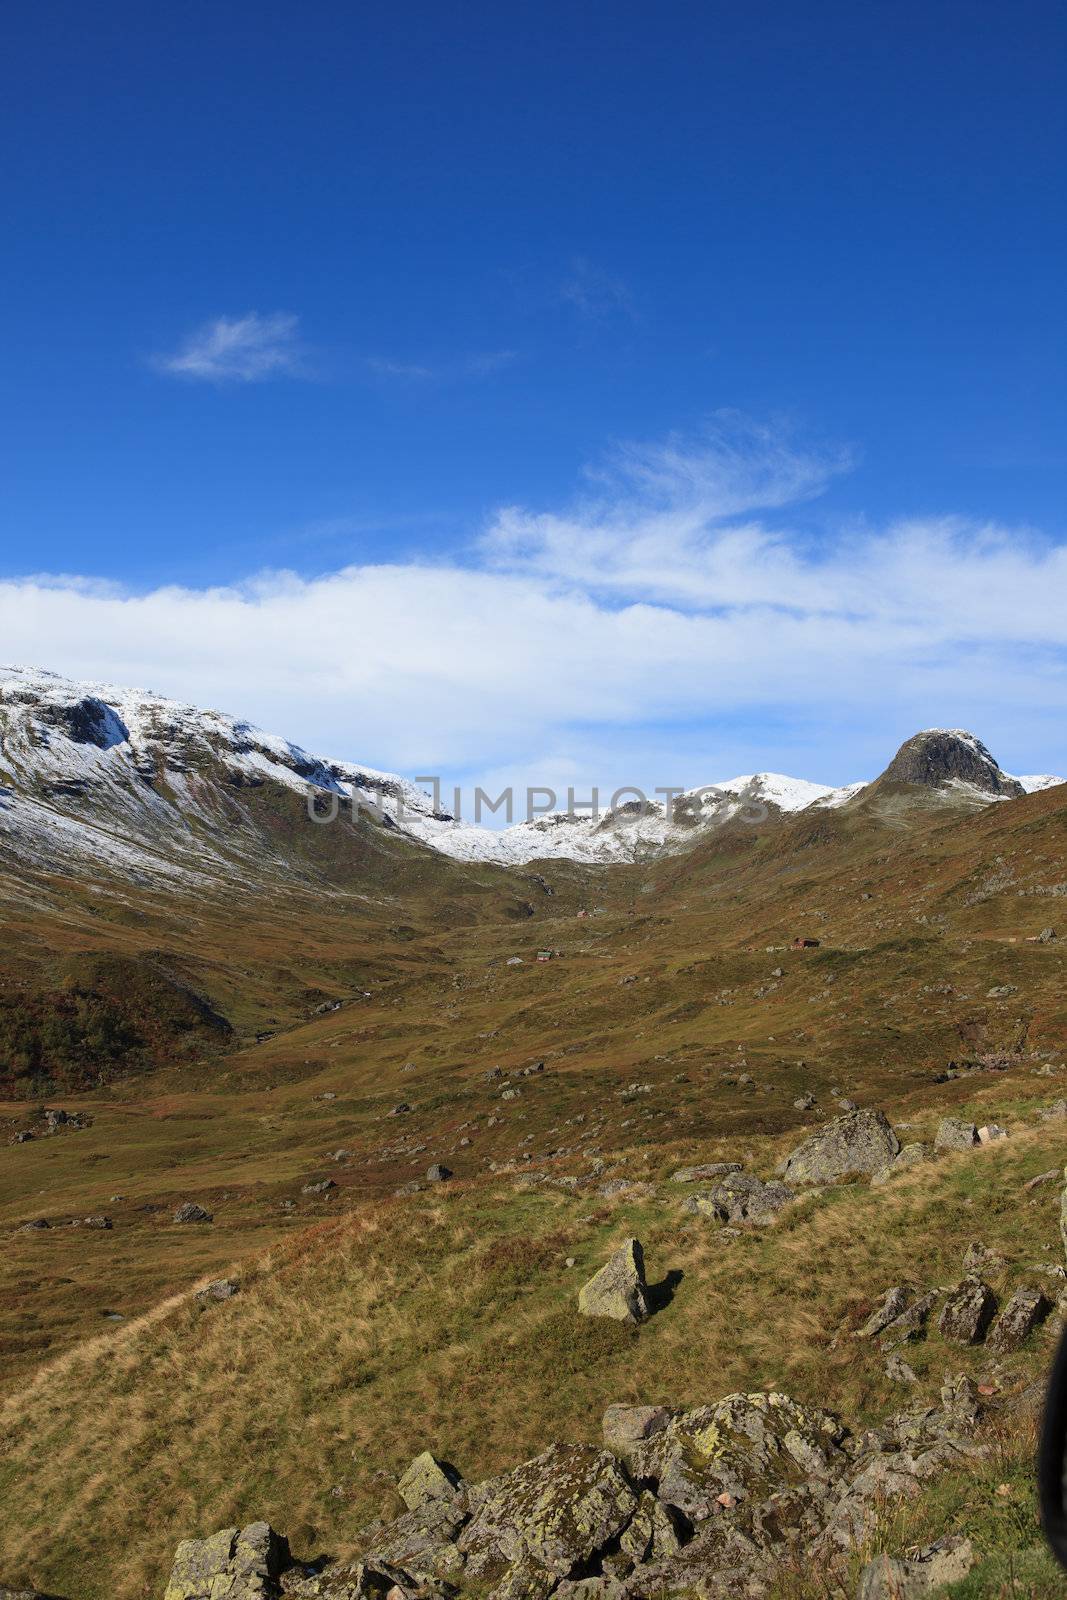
(447, 1320)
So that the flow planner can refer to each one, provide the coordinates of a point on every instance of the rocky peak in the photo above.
(940, 756)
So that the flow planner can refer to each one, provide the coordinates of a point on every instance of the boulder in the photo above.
(894, 1305)
(889, 1578)
(428, 1479)
(220, 1289)
(911, 1325)
(189, 1211)
(1046, 936)
(97, 1222)
(806, 1102)
(655, 1532)
(557, 1512)
(952, 1134)
(744, 1446)
(625, 1426)
(740, 1197)
(37, 1223)
(912, 1155)
(991, 1133)
(859, 1142)
(705, 1172)
(619, 1289)
(967, 1312)
(1026, 1309)
(320, 1187)
(438, 1173)
(234, 1564)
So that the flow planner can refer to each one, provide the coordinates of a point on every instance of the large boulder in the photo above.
(189, 1211)
(859, 1142)
(234, 1564)
(619, 1289)
(556, 1512)
(624, 1426)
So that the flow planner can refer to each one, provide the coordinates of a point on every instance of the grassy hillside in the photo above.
(274, 1025)
(448, 1321)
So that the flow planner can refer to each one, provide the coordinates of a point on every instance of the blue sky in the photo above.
(407, 301)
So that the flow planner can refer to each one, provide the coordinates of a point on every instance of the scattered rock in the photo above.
(32, 1227)
(967, 1312)
(952, 1134)
(911, 1325)
(97, 1222)
(894, 1305)
(438, 1173)
(859, 1142)
(238, 1563)
(991, 1133)
(912, 1155)
(619, 1289)
(428, 1479)
(740, 1197)
(400, 1110)
(220, 1289)
(1042, 1178)
(898, 1370)
(979, 1258)
(887, 1578)
(1026, 1309)
(806, 1102)
(702, 1174)
(1001, 991)
(625, 1426)
(319, 1188)
(189, 1211)
(1046, 936)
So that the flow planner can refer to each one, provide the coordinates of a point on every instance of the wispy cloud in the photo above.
(244, 349)
(479, 365)
(670, 621)
(596, 293)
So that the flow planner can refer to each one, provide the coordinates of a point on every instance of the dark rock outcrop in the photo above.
(938, 756)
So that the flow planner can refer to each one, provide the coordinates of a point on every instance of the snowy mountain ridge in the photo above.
(149, 784)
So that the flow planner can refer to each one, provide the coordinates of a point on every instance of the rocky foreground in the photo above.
(723, 1501)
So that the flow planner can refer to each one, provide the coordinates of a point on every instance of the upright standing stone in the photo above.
(619, 1289)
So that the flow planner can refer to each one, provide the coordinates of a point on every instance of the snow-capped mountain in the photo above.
(152, 787)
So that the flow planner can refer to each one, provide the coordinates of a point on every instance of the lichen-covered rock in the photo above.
(654, 1533)
(911, 1155)
(888, 1578)
(421, 1541)
(952, 1134)
(894, 1305)
(860, 1142)
(705, 1172)
(967, 1312)
(626, 1426)
(363, 1580)
(556, 1511)
(912, 1324)
(742, 1198)
(428, 1479)
(1026, 1309)
(233, 1564)
(619, 1289)
(189, 1211)
(746, 1446)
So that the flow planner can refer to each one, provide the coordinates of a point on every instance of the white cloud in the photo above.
(479, 365)
(659, 631)
(244, 349)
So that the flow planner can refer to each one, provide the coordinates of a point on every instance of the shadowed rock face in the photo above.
(940, 755)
